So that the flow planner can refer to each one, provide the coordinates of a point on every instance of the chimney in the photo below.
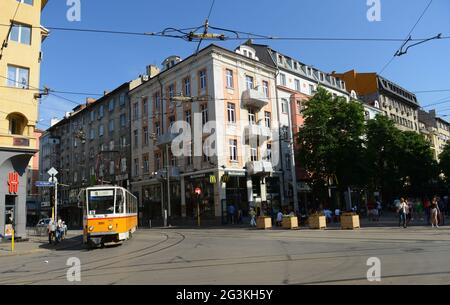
(152, 71)
(90, 100)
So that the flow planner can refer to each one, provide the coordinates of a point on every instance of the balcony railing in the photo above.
(254, 99)
(17, 141)
(260, 168)
(258, 131)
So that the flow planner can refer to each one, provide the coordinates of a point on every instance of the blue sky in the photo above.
(85, 62)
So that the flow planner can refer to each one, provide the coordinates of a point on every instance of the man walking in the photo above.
(402, 209)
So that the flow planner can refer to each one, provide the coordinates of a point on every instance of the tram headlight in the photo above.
(110, 227)
(91, 228)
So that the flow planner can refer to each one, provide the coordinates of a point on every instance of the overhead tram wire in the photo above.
(408, 38)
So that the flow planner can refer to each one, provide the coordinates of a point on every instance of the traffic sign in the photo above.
(52, 172)
(53, 180)
(44, 184)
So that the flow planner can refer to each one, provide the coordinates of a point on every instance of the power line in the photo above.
(432, 91)
(408, 37)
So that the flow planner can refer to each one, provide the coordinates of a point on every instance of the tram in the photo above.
(109, 215)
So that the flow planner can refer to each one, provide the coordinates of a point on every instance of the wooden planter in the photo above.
(264, 223)
(317, 222)
(290, 223)
(350, 222)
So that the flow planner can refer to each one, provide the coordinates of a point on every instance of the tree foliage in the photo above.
(444, 165)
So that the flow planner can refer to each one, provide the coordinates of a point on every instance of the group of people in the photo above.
(235, 215)
(56, 231)
(434, 211)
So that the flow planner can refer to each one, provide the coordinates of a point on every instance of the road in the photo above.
(417, 255)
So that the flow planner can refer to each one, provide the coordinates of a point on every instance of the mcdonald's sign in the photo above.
(225, 178)
(13, 183)
(212, 179)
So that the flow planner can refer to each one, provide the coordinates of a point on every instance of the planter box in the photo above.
(317, 222)
(290, 223)
(264, 223)
(350, 222)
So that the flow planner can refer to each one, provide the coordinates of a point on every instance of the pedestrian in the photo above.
(253, 217)
(434, 213)
(231, 212)
(279, 218)
(379, 207)
(402, 209)
(239, 216)
(427, 207)
(51, 228)
(409, 211)
(337, 215)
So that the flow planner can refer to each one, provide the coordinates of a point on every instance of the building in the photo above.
(20, 60)
(89, 146)
(396, 102)
(33, 200)
(296, 83)
(226, 102)
(436, 130)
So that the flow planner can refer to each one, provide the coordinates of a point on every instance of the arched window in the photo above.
(17, 123)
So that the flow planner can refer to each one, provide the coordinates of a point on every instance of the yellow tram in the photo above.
(109, 214)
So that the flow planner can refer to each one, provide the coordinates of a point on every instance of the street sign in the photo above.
(53, 180)
(44, 184)
(52, 172)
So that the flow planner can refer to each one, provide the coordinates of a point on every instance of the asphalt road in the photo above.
(417, 255)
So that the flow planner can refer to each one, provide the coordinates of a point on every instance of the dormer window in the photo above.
(280, 59)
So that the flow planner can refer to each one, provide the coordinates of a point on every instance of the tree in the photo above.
(382, 156)
(444, 165)
(331, 142)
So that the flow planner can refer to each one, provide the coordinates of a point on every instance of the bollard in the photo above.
(150, 224)
(12, 241)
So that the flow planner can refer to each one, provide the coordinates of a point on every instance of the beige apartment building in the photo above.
(231, 113)
(436, 130)
(20, 60)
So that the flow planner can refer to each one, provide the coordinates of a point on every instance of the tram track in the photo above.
(115, 259)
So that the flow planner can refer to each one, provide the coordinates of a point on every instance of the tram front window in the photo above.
(101, 202)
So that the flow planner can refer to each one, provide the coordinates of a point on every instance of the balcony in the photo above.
(166, 138)
(254, 99)
(259, 168)
(259, 131)
(174, 172)
(17, 142)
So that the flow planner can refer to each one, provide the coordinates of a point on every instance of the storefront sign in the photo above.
(8, 230)
(13, 182)
(236, 174)
(198, 176)
(21, 142)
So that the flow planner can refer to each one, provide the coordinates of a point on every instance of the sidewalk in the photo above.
(39, 244)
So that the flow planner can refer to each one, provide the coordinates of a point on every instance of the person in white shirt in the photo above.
(402, 210)
(337, 215)
(279, 218)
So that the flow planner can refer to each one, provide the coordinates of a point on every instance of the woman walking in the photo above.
(434, 213)
(402, 209)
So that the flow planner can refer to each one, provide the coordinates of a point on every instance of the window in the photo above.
(280, 59)
(187, 86)
(171, 121)
(269, 152)
(157, 101)
(171, 91)
(231, 110)
(145, 163)
(297, 85)
(202, 75)
(265, 86)
(111, 145)
(92, 116)
(18, 77)
(204, 110)
(111, 125)
(145, 107)
(267, 119)
(135, 111)
(249, 82)
(101, 112)
(251, 117)
(122, 99)
(288, 161)
(311, 90)
(283, 79)
(123, 120)
(187, 115)
(145, 135)
(284, 105)
(253, 153)
(136, 140)
(112, 167)
(91, 134)
(21, 33)
(30, 2)
(230, 81)
(136, 167)
(123, 165)
(233, 150)
(299, 107)
(101, 130)
(16, 124)
(157, 162)
(321, 76)
(111, 105)
(157, 129)
(123, 142)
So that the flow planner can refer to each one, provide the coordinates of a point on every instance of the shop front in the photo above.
(202, 203)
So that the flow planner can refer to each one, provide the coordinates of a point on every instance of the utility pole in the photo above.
(168, 180)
